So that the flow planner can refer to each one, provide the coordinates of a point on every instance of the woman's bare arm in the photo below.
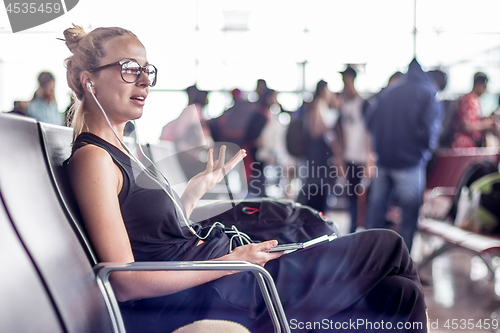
(482, 124)
(96, 182)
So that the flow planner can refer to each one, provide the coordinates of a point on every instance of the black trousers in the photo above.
(362, 282)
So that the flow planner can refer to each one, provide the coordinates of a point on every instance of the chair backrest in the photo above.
(42, 224)
(450, 164)
(25, 305)
(56, 144)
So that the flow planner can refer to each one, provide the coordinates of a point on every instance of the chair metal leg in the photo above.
(445, 247)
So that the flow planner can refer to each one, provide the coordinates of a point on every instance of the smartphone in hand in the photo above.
(286, 247)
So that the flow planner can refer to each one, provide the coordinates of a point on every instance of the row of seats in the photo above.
(448, 165)
(444, 178)
(52, 280)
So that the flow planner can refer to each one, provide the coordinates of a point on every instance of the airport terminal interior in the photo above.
(377, 114)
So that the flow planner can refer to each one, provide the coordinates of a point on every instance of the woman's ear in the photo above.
(86, 82)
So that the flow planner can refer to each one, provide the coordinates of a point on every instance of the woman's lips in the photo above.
(139, 100)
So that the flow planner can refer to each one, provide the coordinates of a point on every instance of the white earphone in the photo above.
(90, 86)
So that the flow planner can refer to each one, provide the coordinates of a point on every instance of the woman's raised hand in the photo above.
(212, 175)
(215, 171)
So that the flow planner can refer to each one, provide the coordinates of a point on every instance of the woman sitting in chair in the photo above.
(132, 216)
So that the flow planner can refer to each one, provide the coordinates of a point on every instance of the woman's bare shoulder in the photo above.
(90, 155)
(91, 162)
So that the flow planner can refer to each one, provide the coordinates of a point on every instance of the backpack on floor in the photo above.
(479, 205)
(473, 173)
(264, 219)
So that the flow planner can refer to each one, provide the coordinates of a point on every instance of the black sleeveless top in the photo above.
(155, 227)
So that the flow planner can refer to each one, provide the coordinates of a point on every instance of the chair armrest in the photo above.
(439, 191)
(265, 280)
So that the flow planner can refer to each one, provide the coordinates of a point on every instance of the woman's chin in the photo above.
(136, 114)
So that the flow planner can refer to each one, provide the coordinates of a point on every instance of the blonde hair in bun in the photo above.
(73, 36)
(87, 51)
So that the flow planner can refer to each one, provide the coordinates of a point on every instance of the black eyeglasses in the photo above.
(131, 71)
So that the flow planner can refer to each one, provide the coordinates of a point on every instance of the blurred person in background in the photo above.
(439, 78)
(43, 106)
(319, 125)
(243, 124)
(254, 166)
(394, 79)
(261, 87)
(404, 122)
(272, 150)
(20, 108)
(232, 124)
(190, 133)
(353, 161)
(470, 125)
(176, 130)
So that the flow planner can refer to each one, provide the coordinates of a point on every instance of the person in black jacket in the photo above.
(404, 122)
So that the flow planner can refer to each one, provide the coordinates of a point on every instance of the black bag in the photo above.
(264, 219)
(478, 209)
(473, 173)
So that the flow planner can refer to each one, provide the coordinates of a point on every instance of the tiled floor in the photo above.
(458, 287)
(458, 301)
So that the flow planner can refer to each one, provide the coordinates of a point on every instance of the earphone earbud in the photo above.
(90, 86)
